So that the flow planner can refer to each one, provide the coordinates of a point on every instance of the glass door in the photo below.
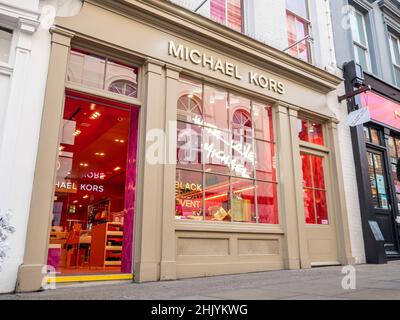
(381, 199)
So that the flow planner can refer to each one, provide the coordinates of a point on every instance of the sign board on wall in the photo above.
(358, 117)
(226, 68)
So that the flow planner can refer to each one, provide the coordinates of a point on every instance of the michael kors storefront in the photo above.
(175, 148)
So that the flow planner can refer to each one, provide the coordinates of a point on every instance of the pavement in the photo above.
(371, 282)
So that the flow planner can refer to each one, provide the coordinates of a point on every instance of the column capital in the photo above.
(28, 26)
(61, 36)
(153, 66)
(280, 108)
(288, 105)
(172, 71)
(333, 123)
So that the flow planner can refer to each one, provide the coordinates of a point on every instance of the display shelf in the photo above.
(114, 248)
(115, 233)
(106, 244)
(112, 263)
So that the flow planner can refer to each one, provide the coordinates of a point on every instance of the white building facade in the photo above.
(24, 53)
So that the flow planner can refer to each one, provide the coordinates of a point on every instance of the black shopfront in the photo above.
(376, 148)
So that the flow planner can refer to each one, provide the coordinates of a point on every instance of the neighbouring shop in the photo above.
(246, 177)
(376, 147)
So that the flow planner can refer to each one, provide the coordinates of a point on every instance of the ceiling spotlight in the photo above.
(95, 115)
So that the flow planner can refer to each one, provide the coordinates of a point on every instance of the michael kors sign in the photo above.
(226, 68)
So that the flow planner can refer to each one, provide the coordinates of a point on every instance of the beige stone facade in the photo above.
(141, 32)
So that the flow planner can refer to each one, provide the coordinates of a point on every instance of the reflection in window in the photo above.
(394, 151)
(228, 149)
(102, 73)
(298, 29)
(394, 42)
(227, 12)
(125, 88)
(377, 179)
(310, 131)
(360, 42)
(315, 205)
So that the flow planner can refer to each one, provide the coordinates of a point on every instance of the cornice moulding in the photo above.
(14, 13)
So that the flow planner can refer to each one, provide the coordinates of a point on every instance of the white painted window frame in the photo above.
(354, 12)
(392, 53)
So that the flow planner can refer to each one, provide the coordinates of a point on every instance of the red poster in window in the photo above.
(314, 193)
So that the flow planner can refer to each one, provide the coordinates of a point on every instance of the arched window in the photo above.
(241, 120)
(241, 126)
(188, 106)
(124, 87)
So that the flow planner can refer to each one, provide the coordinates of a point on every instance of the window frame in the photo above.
(307, 24)
(230, 175)
(107, 58)
(396, 65)
(356, 44)
(11, 31)
(226, 16)
(325, 160)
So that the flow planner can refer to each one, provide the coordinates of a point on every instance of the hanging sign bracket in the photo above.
(354, 93)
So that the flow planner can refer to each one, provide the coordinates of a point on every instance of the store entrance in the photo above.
(381, 200)
(319, 218)
(93, 211)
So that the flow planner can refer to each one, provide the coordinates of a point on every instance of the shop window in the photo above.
(298, 29)
(310, 131)
(92, 221)
(102, 73)
(315, 203)
(226, 168)
(5, 44)
(227, 12)
(378, 180)
(360, 41)
(372, 135)
(394, 152)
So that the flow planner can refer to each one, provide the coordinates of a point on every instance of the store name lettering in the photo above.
(226, 68)
(72, 186)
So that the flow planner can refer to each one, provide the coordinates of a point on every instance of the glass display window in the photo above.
(379, 190)
(226, 141)
(394, 153)
(310, 131)
(315, 193)
(372, 135)
(94, 199)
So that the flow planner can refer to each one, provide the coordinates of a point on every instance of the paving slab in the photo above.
(372, 282)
